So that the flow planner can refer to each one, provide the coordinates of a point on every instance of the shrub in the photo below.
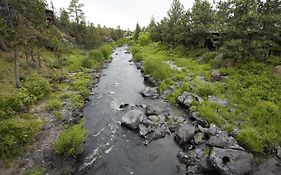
(106, 51)
(54, 104)
(70, 141)
(37, 86)
(138, 57)
(16, 132)
(87, 63)
(144, 38)
(249, 137)
(96, 55)
(77, 102)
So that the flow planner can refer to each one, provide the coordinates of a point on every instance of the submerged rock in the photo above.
(132, 119)
(231, 161)
(149, 92)
(184, 133)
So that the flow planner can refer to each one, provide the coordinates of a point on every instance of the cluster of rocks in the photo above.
(151, 122)
(186, 99)
(211, 151)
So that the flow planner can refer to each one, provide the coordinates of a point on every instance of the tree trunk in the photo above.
(27, 60)
(2, 44)
(39, 59)
(17, 68)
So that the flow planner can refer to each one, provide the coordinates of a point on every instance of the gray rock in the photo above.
(200, 121)
(162, 119)
(197, 160)
(182, 97)
(230, 161)
(132, 119)
(159, 133)
(150, 92)
(184, 133)
(270, 166)
(199, 138)
(152, 110)
(188, 100)
(215, 75)
(279, 152)
(183, 157)
(154, 118)
(222, 140)
(213, 129)
(138, 65)
(218, 101)
(143, 130)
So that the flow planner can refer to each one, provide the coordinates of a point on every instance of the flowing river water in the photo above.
(111, 149)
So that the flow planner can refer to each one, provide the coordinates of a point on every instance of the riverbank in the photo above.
(69, 85)
(213, 90)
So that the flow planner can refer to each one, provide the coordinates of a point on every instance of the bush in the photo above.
(16, 132)
(249, 137)
(37, 86)
(87, 63)
(70, 141)
(54, 104)
(144, 38)
(96, 55)
(138, 57)
(106, 51)
(77, 102)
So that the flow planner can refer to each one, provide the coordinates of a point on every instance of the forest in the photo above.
(225, 54)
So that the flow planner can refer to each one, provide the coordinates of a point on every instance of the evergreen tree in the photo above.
(76, 12)
(137, 32)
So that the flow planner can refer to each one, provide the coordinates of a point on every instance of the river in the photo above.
(111, 149)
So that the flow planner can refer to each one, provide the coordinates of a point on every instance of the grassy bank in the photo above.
(57, 81)
(252, 88)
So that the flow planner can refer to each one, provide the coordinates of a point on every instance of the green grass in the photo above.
(36, 171)
(253, 89)
(70, 141)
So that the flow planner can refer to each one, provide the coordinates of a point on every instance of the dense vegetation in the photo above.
(49, 58)
(239, 39)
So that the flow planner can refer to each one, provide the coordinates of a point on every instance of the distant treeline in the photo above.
(240, 28)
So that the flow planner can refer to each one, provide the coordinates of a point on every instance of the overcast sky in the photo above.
(125, 13)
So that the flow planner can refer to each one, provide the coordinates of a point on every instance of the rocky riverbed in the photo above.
(206, 149)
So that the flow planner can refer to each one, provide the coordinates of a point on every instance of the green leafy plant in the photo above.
(70, 141)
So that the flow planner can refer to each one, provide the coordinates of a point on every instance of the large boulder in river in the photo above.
(132, 119)
(184, 133)
(231, 161)
(149, 92)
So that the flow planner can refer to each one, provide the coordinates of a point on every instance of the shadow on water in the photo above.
(111, 149)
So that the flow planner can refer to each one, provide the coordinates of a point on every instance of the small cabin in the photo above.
(50, 16)
(212, 42)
